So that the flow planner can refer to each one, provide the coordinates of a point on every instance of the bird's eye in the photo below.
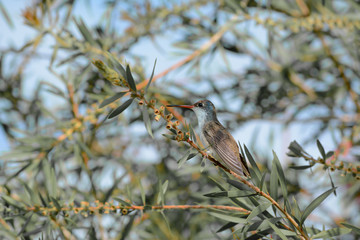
(200, 105)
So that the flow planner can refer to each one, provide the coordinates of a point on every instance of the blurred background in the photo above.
(277, 72)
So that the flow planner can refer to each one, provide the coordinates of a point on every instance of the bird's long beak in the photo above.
(181, 106)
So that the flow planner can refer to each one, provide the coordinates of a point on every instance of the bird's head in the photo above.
(204, 110)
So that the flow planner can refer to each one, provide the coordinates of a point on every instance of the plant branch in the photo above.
(256, 189)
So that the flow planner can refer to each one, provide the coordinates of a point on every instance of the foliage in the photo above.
(74, 169)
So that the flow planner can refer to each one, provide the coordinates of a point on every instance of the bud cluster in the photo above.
(110, 74)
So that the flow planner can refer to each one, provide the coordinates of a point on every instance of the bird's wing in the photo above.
(225, 146)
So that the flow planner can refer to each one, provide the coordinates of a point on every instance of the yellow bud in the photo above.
(124, 211)
(169, 117)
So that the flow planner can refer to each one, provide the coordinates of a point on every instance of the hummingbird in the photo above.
(217, 138)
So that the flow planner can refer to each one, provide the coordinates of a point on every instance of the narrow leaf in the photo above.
(12, 202)
(236, 193)
(278, 231)
(261, 234)
(116, 64)
(274, 182)
(142, 193)
(147, 121)
(192, 133)
(331, 233)
(253, 163)
(281, 177)
(259, 209)
(112, 99)
(124, 203)
(166, 220)
(130, 79)
(331, 181)
(314, 204)
(25, 225)
(300, 167)
(171, 137)
(183, 159)
(120, 109)
(85, 31)
(238, 185)
(262, 182)
(228, 217)
(329, 154)
(355, 230)
(321, 149)
(151, 77)
(226, 226)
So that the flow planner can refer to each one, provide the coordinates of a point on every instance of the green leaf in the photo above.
(296, 210)
(329, 154)
(262, 182)
(25, 225)
(120, 109)
(85, 31)
(183, 159)
(142, 193)
(192, 133)
(282, 179)
(321, 149)
(166, 220)
(19, 171)
(151, 77)
(277, 230)
(124, 203)
(260, 235)
(147, 121)
(228, 217)
(259, 209)
(355, 229)
(226, 226)
(50, 178)
(116, 64)
(253, 163)
(300, 167)
(130, 79)
(162, 191)
(171, 137)
(238, 185)
(331, 181)
(56, 203)
(331, 233)
(274, 182)
(13, 202)
(296, 149)
(202, 164)
(112, 99)
(236, 193)
(314, 204)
